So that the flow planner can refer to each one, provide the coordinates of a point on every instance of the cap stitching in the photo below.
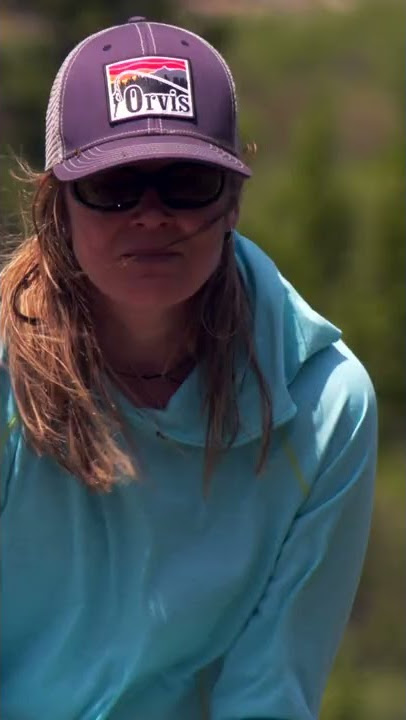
(144, 54)
(91, 153)
(156, 52)
(138, 133)
(79, 162)
(74, 54)
(118, 151)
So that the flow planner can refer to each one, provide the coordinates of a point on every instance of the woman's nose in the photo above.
(150, 211)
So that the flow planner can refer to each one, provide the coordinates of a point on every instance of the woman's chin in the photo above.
(149, 294)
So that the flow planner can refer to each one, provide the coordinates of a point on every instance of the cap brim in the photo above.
(138, 149)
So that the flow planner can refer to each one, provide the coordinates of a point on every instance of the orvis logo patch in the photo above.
(147, 86)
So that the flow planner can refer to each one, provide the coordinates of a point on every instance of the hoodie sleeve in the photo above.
(8, 429)
(278, 666)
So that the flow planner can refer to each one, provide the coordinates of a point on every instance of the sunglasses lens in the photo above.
(111, 190)
(179, 186)
(191, 185)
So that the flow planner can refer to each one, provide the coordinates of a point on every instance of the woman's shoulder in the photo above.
(335, 381)
(337, 418)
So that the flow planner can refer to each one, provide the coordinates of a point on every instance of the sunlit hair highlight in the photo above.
(57, 369)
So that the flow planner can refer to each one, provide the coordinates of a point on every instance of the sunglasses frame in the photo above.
(154, 179)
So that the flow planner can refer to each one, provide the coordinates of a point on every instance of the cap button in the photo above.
(136, 19)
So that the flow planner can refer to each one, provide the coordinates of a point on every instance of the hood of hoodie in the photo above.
(287, 333)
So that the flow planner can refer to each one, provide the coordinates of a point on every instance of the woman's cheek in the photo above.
(204, 258)
(90, 248)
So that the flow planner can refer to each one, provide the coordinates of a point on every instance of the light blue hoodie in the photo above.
(153, 603)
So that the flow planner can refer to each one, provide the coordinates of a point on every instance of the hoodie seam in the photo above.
(303, 344)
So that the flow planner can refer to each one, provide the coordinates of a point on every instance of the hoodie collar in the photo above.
(287, 333)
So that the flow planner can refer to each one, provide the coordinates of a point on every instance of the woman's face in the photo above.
(149, 255)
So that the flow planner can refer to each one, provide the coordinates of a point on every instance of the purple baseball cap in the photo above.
(141, 91)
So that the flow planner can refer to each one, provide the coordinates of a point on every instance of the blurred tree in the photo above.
(70, 20)
(376, 308)
(319, 206)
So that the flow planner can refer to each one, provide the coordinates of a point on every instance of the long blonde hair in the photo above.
(57, 369)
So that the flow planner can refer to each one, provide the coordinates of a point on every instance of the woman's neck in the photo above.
(142, 340)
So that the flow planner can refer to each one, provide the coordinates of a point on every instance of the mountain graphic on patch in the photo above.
(149, 87)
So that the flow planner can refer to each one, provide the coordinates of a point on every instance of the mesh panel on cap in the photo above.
(54, 148)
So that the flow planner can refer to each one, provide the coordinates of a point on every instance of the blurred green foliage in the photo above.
(327, 197)
(320, 93)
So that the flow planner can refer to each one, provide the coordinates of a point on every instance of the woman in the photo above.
(188, 449)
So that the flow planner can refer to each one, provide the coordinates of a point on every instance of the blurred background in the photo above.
(320, 87)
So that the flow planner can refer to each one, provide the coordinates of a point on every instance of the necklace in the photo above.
(150, 394)
(166, 375)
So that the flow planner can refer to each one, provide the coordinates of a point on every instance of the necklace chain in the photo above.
(167, 375)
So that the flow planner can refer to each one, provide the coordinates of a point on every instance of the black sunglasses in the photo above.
(180, 186)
